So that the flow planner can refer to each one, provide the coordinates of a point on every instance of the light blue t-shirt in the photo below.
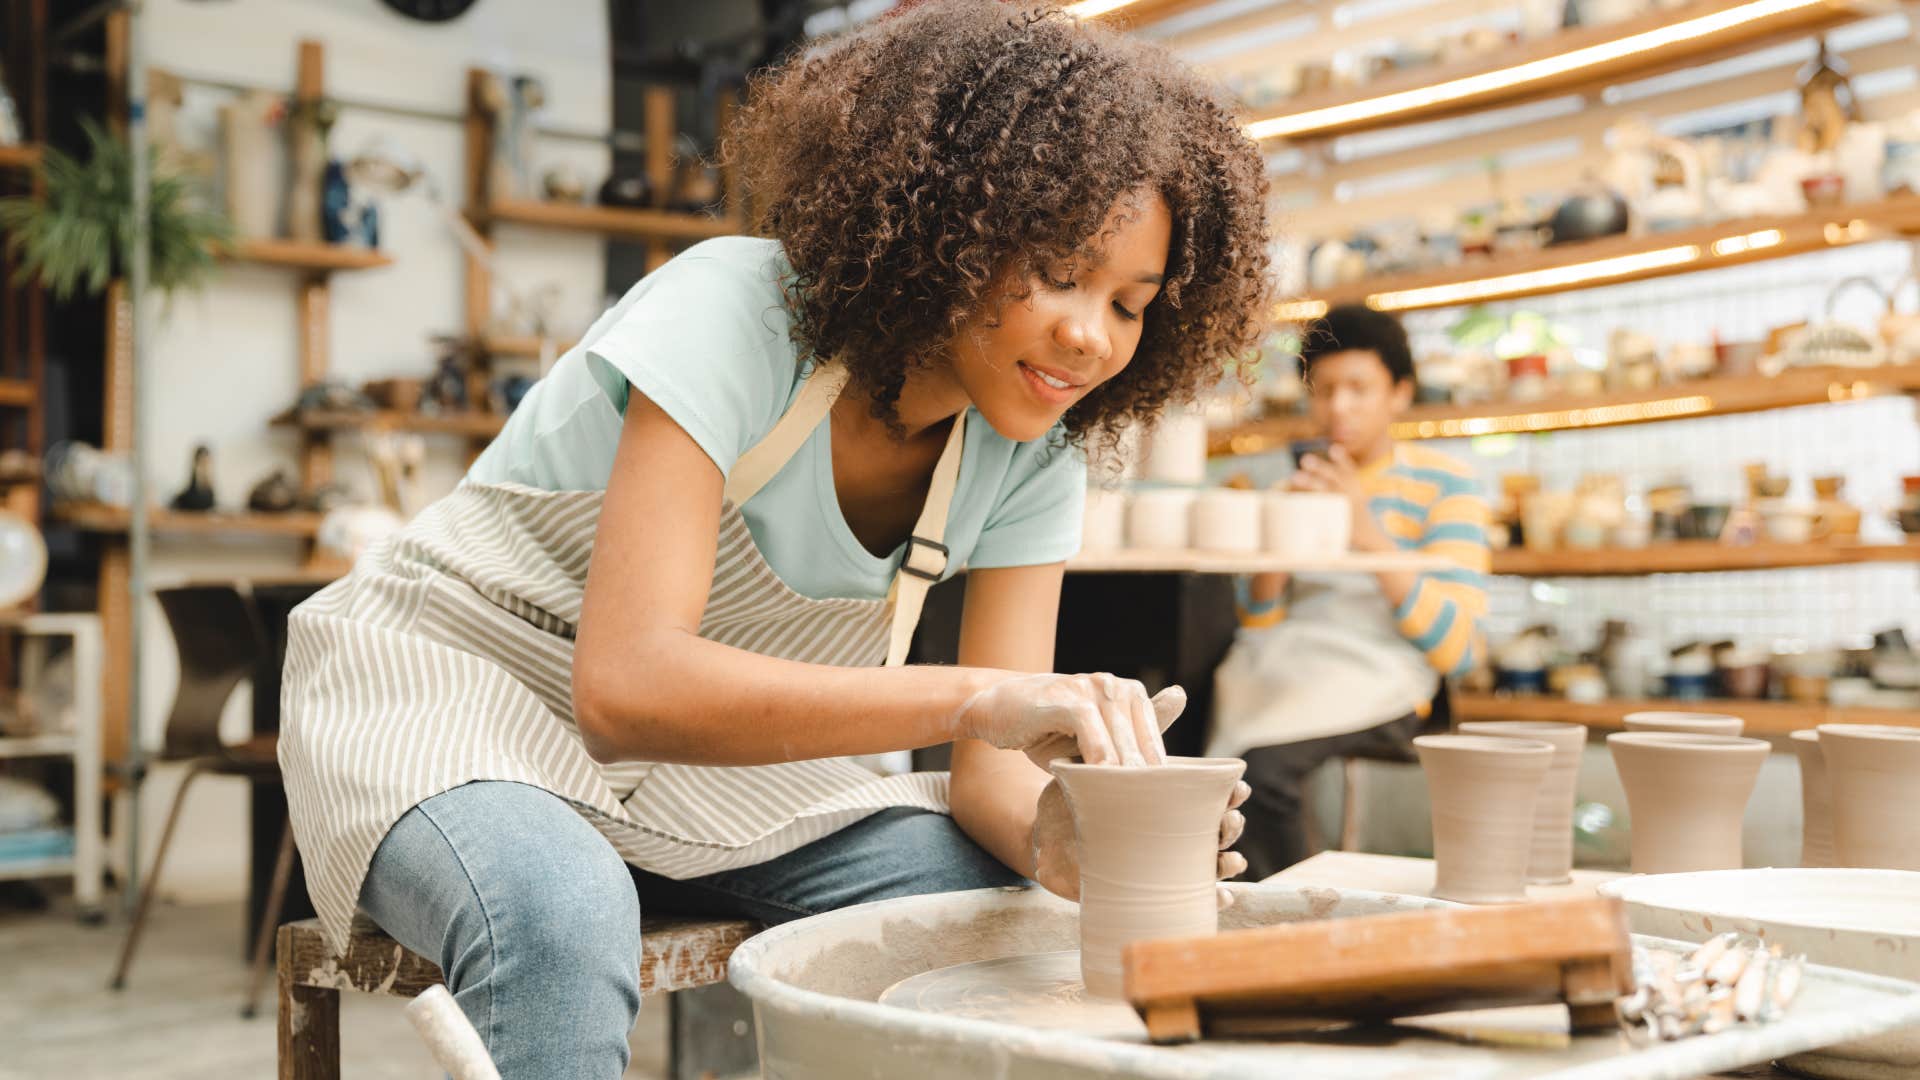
(705, 337)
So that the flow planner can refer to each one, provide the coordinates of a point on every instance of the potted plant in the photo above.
(78, 237)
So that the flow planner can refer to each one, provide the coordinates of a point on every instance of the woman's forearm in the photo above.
(682, 699)
(993, 797)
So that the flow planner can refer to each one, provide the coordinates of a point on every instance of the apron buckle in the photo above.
(913, 544)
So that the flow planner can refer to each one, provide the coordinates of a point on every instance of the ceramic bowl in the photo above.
(1867, 920)
(1704, 521)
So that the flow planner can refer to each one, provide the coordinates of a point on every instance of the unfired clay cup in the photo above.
(1149, 854)
(1483, 790)
(1686, 796)
(1158, 519)
(1307, 524)
(1227, 520)
(1816, 802)
(1873, 773)
(1104, 525)
(1685, 723)
(1551, 858)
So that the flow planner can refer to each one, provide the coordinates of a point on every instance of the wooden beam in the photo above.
(657, 107)
(479, 158)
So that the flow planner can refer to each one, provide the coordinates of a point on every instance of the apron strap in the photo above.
(767, 457)
(926, 556)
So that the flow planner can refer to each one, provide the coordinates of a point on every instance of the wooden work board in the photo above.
(1379, 967)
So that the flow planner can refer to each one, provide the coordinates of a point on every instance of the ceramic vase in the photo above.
(1685, 723)
(250, 165)
(1686, 797)
(1816, 804)
(1149, 854)
(1873, 774)
(1484, 791)
(1550, 861)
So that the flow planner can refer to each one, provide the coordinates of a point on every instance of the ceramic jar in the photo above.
(1307, 524)
(1158, 519)
(1686, 797)
(1483, 791)
(1550, 859)
(1873, 776)
(1227, 520)
(1104, 520)
(1816, 801)
(1176, 449)
(250, 164)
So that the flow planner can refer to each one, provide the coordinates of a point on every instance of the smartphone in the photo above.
(1302, 447)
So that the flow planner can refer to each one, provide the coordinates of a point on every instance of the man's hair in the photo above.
(1356, 327)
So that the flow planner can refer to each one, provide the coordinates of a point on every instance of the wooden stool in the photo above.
(675, 954)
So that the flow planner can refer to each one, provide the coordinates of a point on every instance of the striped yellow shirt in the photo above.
(1428, 502)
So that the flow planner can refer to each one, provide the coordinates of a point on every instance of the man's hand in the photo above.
(1338, 474)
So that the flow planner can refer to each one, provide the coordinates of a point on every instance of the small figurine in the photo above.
(197, 497)
(447, 390)
(273, 495)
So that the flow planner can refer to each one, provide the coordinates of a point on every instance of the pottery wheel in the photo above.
(1041, 991)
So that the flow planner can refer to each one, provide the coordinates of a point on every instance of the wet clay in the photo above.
(1816, 805)
(1685, 723)
(1686, 797)
(1550, 860)
(1484, 791)
(1873, 774)
(1149, 853)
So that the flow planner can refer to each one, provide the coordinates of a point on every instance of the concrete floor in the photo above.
(179, 1018)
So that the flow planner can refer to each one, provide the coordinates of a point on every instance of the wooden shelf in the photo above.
(527, 345)
(630, 224)
(1132, 14)
(1616, 260)
(20, 156)
(475, 425)
(98, 517)
(1719, 396)
(17, 393)
(1695, 556)
(1585, 59)
(1763, 717)
(1137, 561)
(296, 255)
(52, 744)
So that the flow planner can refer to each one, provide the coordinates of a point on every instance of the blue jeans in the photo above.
(535, 920)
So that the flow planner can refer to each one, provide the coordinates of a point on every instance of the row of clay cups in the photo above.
(1859, 796)
(1227, 521)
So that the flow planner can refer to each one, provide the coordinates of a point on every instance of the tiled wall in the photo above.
(1872, 443)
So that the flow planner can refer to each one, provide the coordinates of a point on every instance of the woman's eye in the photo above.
(1121, 309)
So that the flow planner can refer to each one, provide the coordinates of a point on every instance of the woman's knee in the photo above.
(945, 858)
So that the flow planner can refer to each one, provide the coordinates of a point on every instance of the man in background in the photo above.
(1333, 665)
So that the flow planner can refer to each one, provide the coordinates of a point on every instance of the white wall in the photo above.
(225, 360)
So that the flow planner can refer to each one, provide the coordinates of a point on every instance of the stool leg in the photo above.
(1349, 804)
(309, 1028)
(153, 881)
(269, 922)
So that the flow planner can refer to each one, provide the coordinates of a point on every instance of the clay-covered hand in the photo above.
(1102, 719)
(1056, 859)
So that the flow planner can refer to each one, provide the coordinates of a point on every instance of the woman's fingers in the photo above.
(1146, 728)
(1222, 897)
(1096, 744)
(1232, 864)
(1168, 704)
(1241, 793)
(1231, 826)
(1116, 709)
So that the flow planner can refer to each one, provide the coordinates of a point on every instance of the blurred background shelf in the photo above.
(1695, 556)
(20, 156)
(17, 392)
(632, 224)
(1762, 717)
(1720, 396)
(101, 518)
(469, 424)
(296, 255)
(1586, 59)
(527, 345)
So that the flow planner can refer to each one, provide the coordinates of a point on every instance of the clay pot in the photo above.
(1103, 527)
(1159, 519)
(1816, 803)
(1686, 796)
(1226, 520)
(1873, 772)
(1484, 791)
(1686, 723)
(1309, 524)
(1550, 861)
(1149, 852)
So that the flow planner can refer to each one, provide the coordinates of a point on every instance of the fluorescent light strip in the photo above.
(1753, 241)
(1299, 310)
(1521, 74)
(1466, 292)
(1556, 419)
(1093, 9)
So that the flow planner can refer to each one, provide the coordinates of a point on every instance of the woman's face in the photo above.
(1029, 360)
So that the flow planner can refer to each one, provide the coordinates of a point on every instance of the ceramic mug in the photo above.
(1159, 519)
(1227, 520)
(1308, 524)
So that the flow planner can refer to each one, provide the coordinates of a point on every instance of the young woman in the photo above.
(625, 664)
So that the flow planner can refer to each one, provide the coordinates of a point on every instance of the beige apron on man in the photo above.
(446, 657)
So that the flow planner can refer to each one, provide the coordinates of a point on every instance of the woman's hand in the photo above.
(1055, 848)
(1102, 719)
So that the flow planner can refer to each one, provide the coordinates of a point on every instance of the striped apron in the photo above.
(446, 656)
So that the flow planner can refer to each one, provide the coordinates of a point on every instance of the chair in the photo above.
(1438, 721)
(219, 642)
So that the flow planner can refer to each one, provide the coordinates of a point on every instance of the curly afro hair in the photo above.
(912, 169)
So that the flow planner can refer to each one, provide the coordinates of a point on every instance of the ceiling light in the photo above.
(1466, 292)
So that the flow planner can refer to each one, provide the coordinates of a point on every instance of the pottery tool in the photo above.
(1382, 967)
(450, 1036)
